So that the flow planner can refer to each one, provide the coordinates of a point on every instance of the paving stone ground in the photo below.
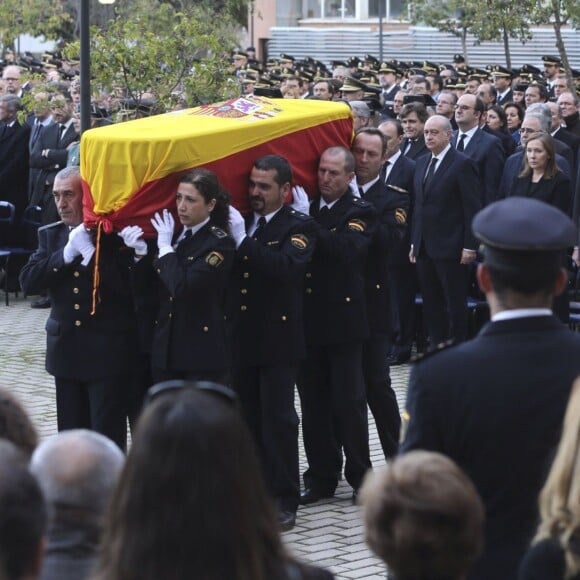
(329, 533)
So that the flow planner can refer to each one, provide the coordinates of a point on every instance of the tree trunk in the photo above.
(506, 46)
(557, 24)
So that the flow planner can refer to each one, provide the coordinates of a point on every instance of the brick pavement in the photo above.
(329, 533)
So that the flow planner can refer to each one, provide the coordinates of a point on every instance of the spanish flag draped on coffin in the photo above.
(131, 170)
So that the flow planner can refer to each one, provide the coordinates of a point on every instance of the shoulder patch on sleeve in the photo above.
(299, 241)
(401, 215)
(218, 232)
(214, 259)
(356, 225)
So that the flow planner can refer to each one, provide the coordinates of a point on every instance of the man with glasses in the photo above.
(448, 195)
(446, 106)
(11, 81)
(485, 149)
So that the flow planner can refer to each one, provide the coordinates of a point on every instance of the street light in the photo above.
(86, 63)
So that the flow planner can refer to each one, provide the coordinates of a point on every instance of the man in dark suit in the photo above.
(40, 119)
(392, 206)
(50, 154)
(90, 347)
(448, 195)
(266, 325)
(485, 149)
(13, 155)
(492, 404)
(398, 172)
(413, 117)
(330, 381)
(559, 133)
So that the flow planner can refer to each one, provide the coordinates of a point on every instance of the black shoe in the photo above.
(42, 302)
(311, 495)
(286, 520)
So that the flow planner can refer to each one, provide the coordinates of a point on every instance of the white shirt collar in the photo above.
(520, 313)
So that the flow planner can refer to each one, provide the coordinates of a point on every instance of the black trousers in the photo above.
(444, 289)
(266, 395)
(334, 413)
(381, 398)
(99, 405)
(402, 290)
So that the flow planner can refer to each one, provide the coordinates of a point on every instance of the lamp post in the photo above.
(86, 62)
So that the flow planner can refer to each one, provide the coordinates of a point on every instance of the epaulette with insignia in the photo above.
(361, 202)
(48, 226)
(432, 351)
(218, 232)
(397, 188)
(299, 214)
(356, 225)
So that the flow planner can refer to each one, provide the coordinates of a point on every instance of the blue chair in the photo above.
(28, 226)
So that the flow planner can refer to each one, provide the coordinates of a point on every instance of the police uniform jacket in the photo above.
(335, 303)
(265, 301)
(495, 405)
(82, 346)
(401, 178)
(392, 208)
(190, 327)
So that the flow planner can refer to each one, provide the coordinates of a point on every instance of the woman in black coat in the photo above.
(540, 177)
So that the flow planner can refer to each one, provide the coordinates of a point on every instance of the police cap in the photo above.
(520, 224)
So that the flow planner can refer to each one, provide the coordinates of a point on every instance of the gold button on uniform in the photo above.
(245, 258)
(284, 318)
(76, 274)
(170, 315)
(75, 290)
(77, 306)
(55, 269)
(78, 322)
(308, 290)
(205, 329)
(308, 275)
(246, 274)
(243, 291)
(243, 307)
(378, 286)
(347, 298)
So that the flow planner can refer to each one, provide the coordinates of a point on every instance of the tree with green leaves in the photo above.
(174, 55)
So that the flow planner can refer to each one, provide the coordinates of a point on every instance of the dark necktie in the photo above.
(409, 146)
(36, 132)
(430, 173)
(361, 192)
(461, 142)
(260, 229)
(61, 131)
(188, 235)
(323, 210)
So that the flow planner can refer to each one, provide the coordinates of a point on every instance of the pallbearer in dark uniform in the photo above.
(397, 173)
(495, 404)
(392, 207)
(91, 356)
(330, 382)
(192, 272)
(266, 325)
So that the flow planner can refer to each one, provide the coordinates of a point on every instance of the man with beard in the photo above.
(265, 315)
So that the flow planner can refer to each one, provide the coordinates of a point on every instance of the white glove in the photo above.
(237, 225)
(164, 225)
(133, 238)
(79, 244)
(300, 201)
